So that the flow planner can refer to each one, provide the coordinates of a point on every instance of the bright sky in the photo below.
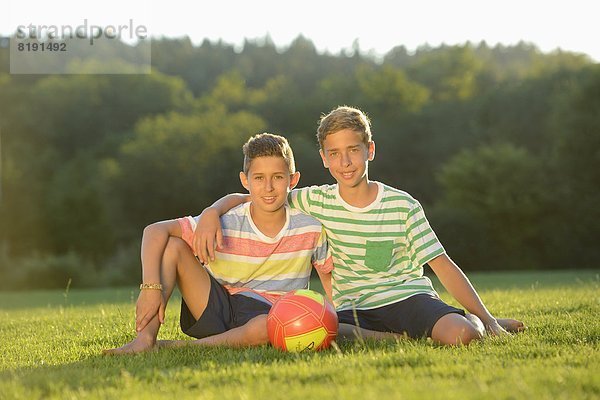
(333, 25)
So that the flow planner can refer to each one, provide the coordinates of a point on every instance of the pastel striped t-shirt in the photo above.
(252, 263)
(379, 250)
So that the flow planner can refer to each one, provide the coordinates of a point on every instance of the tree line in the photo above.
(501, 144)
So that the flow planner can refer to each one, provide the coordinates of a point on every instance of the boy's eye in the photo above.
(258, 178)
(333, 154)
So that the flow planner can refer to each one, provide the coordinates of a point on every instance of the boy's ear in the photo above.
(371, 150)
(244, 180)
(295, 177)
(325, 163)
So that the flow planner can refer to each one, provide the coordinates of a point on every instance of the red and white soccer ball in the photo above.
(302, 320)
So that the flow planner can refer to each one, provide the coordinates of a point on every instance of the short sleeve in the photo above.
(299, 199)
(423, 244)
(188, 226)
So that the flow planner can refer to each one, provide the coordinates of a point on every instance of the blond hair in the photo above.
(265, 145)
(344, 117)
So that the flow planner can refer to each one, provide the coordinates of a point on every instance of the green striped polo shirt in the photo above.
(379, 250)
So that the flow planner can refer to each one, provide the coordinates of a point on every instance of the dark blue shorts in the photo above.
(414, 316)
(223, 312)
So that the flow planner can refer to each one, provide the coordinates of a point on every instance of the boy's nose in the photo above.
(346, 160)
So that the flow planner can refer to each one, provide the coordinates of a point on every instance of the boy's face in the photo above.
(347, 157)
(268, 182)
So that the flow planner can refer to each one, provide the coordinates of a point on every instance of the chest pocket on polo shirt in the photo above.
(379, 254)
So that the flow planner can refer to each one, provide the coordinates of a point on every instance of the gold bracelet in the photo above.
(156, 286)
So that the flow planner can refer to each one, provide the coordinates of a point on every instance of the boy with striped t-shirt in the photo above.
(267, 249)
(374, 247)
(256, 266)
(380, 241)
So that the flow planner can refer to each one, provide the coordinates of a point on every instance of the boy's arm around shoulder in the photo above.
(459, 286)
(323, 263)
(208, 234)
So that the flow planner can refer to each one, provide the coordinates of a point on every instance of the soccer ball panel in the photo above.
(307, 341)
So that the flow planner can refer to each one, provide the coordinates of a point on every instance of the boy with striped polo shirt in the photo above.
(267, 250)
(380, 241)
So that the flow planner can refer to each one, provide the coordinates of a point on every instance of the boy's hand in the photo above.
(494, 328)
(208, 235)
(149, 304)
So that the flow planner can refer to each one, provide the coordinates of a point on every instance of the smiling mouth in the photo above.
(347, 175)
(269, 199)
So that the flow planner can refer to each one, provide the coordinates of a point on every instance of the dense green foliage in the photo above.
(501, 145)
(51, 346)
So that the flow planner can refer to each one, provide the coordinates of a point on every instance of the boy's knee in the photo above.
(174, 247)
(468, 334)
(477, 324)
(454, 329)
(257, 331)
(461, 334)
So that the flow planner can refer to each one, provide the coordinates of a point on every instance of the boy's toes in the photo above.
(512, 325)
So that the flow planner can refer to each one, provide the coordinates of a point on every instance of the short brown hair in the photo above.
(344, 117)
(265, 145)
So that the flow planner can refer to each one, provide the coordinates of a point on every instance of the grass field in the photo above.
(51, 343)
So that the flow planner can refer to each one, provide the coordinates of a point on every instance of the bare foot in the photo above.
(137, 345)
(511, 325)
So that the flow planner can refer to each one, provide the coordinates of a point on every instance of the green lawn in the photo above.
(50, 345)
